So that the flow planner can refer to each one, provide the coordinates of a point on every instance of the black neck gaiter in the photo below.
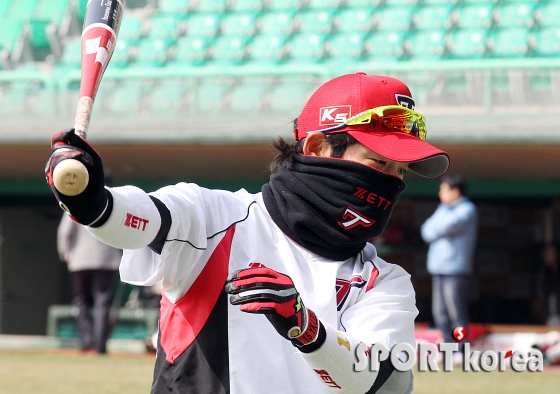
(331, 207)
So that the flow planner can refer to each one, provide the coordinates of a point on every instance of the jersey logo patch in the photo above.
(352, 218)
(136, 222)
(343, 288)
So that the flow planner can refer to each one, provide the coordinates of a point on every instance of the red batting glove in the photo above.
(265, 291)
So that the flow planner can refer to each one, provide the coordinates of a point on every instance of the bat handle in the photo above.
(83, 116)
(71, 177)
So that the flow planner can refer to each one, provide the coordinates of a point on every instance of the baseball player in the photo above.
(275, 292)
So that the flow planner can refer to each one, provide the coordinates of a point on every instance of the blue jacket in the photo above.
(451, 233)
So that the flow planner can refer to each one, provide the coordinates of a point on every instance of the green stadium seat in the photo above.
(289, 96)
(175, 7)
(204, 24)
(71, 54)
(212, 6)
(315, 21)
(124, 53)
(81, 9)
(45, 13)
(500, 83)
(277, 22)
(307, 48)
(467, 43)
(10, 31)
(439, 2)
(168, 97)
(546, 42)
(482, 1)
(393, 3)
(165, 26)
(322, 4)
(248, 97)
(548, 14)
(394, 18)
(541, 83)
(38, 36)
(267, 49)
(515, 15)
(21, 9)
(276, 5)
(247, 5)
(51, 10)
(5, 6)
(132, 28)
(433, 17)
(230, 50)
(363, 3)
(191, 51)
(211, 95)
(345, 47)
(384, 46)
(239, 24)
(474, 15)
(353, 20)
(427, 45)
(509, 43)
(124, 99)
(152, 52)
(456, 83)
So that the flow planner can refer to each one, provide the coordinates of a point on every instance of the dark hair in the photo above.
(456, 181)
(338, 142)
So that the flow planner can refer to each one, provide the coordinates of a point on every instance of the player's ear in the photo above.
(316, 145)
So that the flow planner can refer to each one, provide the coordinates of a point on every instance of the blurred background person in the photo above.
(93, 267)
(451, 235)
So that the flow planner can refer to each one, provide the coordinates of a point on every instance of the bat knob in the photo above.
(70, 177)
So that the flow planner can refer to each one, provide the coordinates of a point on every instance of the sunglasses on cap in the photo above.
(394, 117)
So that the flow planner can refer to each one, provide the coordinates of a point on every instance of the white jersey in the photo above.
(214, 233)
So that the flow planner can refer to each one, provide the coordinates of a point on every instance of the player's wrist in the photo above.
(316, 343)
(86, 213)
(101, 215)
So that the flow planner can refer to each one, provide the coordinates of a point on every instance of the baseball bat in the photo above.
(99, 37)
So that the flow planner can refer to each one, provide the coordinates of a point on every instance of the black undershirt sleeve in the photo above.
(385, 370)
(157, 244)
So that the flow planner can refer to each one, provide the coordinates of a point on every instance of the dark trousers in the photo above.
(92, 296)
(450, 304)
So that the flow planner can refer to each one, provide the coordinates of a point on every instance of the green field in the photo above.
(65, 372)
(459, 382)
(68, 371)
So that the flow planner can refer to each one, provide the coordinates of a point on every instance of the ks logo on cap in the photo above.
(334, 115)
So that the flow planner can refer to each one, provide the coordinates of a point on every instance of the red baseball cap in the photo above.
(348, 95)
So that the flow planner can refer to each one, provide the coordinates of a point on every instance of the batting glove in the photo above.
(262, 290)
(94, 203)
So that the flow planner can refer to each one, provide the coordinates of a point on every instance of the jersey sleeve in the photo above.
(199, 217)
(383, 315)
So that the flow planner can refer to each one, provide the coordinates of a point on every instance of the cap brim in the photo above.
(424, 159)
